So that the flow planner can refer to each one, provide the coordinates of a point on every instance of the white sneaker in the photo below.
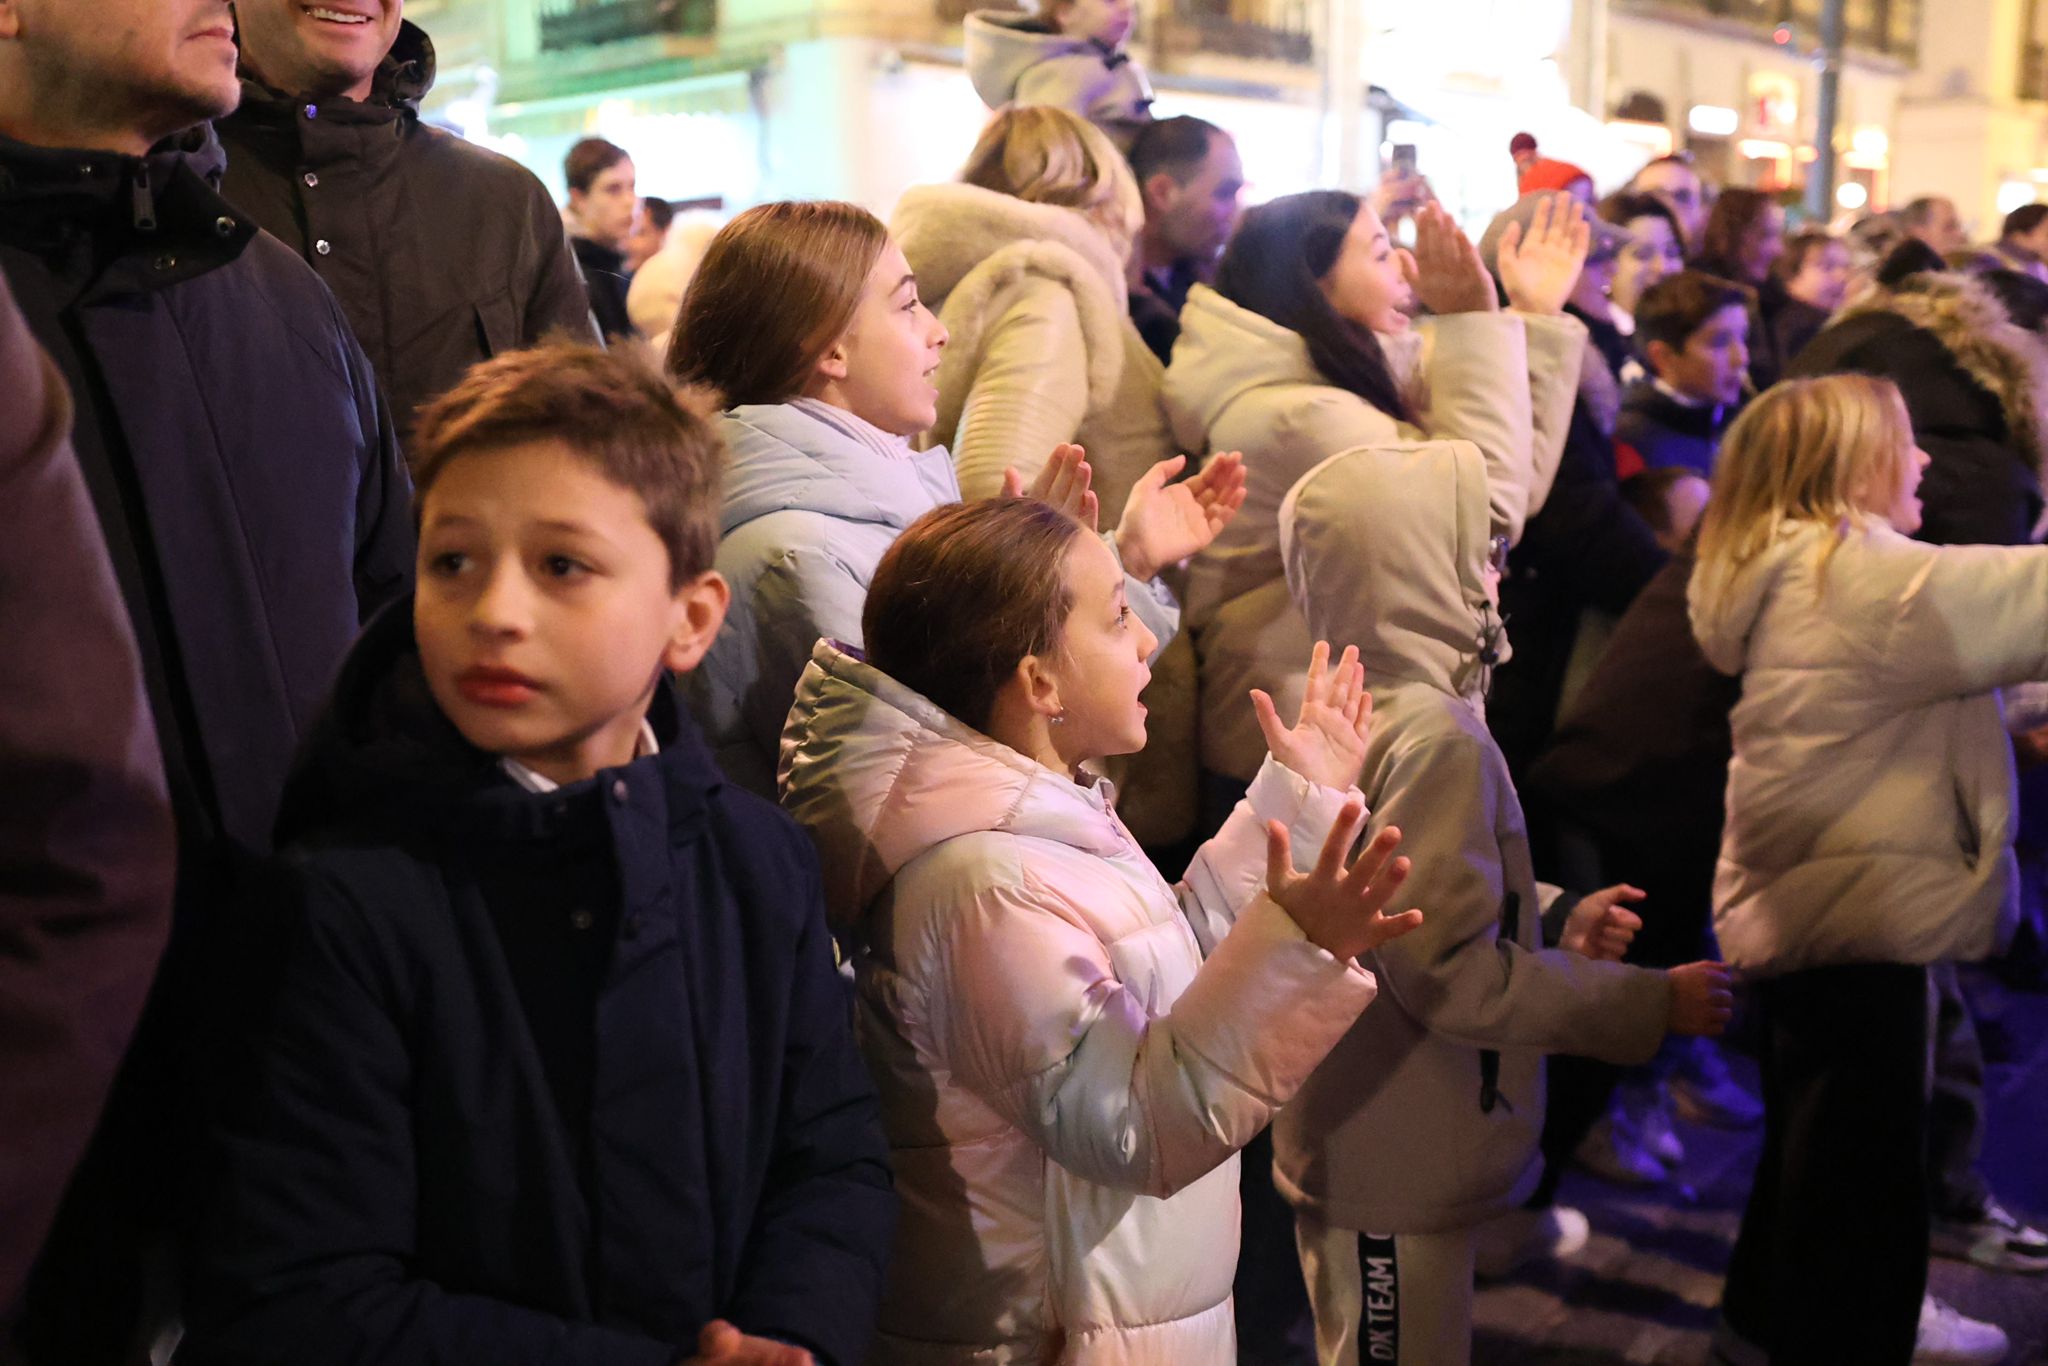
(1507, 1242)
(1996, 1239)
(1646, 1110)
(1948, 1338)
(1610, 1149)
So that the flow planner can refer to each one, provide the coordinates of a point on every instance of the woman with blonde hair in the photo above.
(1869, 835)
(807, 320)
(1024, 260)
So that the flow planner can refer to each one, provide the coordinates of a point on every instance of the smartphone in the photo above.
(1402, 164)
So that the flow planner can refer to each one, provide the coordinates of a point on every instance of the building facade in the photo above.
(730, 102)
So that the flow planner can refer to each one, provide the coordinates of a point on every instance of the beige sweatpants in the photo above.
(1405, 1299)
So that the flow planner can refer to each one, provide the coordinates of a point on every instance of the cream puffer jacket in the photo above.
(1043, 351)
(1427, 1116)
(1239, 381)
(1069, 1051)
(1870, 800)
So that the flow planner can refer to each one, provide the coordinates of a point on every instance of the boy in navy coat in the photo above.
(554, 1066)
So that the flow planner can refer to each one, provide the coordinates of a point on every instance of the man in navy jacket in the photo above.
(244, 475)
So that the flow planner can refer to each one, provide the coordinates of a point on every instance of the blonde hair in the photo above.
(1046, 155)
(1808, 450)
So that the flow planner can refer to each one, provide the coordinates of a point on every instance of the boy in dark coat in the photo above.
(556, 1067)
(1693, 330)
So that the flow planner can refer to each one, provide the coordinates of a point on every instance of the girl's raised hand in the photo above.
(1164, 523)
(1063, 482)
(1341, 910)
(1538, 268)
(1326, 743)
(1445, 270)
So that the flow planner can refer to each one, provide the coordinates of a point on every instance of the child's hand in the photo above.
(1599, 928)
(721, 1344)
(1163, 523)
(1064, 483)
(1701, 999)
(1327, 742)
(1445, 271)
(1538, 268)
(1339, 910)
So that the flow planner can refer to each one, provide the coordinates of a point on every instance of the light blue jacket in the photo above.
(808, 512)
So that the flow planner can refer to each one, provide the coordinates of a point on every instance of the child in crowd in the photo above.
(1070, 1051)
(1693, 332)
(1869, 835)
(1422, 1128)
(1069, 54)
(557, 1068)
(1670, 499)
(807, 320)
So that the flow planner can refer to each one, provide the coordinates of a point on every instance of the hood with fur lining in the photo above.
(1966, 318)
(971, 246)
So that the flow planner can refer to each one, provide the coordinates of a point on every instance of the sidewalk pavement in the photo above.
(1646, 1287)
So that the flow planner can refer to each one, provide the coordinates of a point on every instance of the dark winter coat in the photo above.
(1656, 431)
(547, 1077)
(442, 253)
(604, 274)
(239, 456)
(85, 826)
(1976, 388)
(1797, 324)
(1585, 547)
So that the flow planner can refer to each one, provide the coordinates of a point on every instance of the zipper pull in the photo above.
(142, 201)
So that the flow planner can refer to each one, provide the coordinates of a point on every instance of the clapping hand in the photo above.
(1341, 910)
(1164, 522)
(1538, 268)
(721, 1344)
(1063, 482)
(1445, 270)
(1599, 927)
(1326, 744)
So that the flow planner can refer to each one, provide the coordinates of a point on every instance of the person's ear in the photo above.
(1160, 188)
(835, 365)
(1662, 356)
(1039, 687)
(699, 611)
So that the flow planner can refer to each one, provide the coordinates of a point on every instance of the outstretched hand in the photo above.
(1599, 927)
(1538, 268)
(1326, 743)
(721, 1344)
(1163, 523)
(1063, 482)
(1445, 270)
(1341, 910)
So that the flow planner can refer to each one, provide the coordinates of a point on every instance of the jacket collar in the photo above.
(383, 760)
(163, 206)
(403, 79)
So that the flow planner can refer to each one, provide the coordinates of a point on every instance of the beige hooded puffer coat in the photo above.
(1870, 800)
(1069, 1051)
(1239, 381)
(1426, 1118)
(1043, 351)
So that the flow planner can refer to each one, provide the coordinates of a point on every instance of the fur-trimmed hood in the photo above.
(970, 246)
(2010, 363)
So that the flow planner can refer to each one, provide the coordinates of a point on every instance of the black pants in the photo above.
(1831, 1261)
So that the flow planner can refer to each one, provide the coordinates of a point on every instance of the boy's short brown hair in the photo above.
(1677, 306)
(615, 412)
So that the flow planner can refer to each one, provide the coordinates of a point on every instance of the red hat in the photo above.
(1550, 175)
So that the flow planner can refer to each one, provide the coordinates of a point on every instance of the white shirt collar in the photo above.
(534, 782)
